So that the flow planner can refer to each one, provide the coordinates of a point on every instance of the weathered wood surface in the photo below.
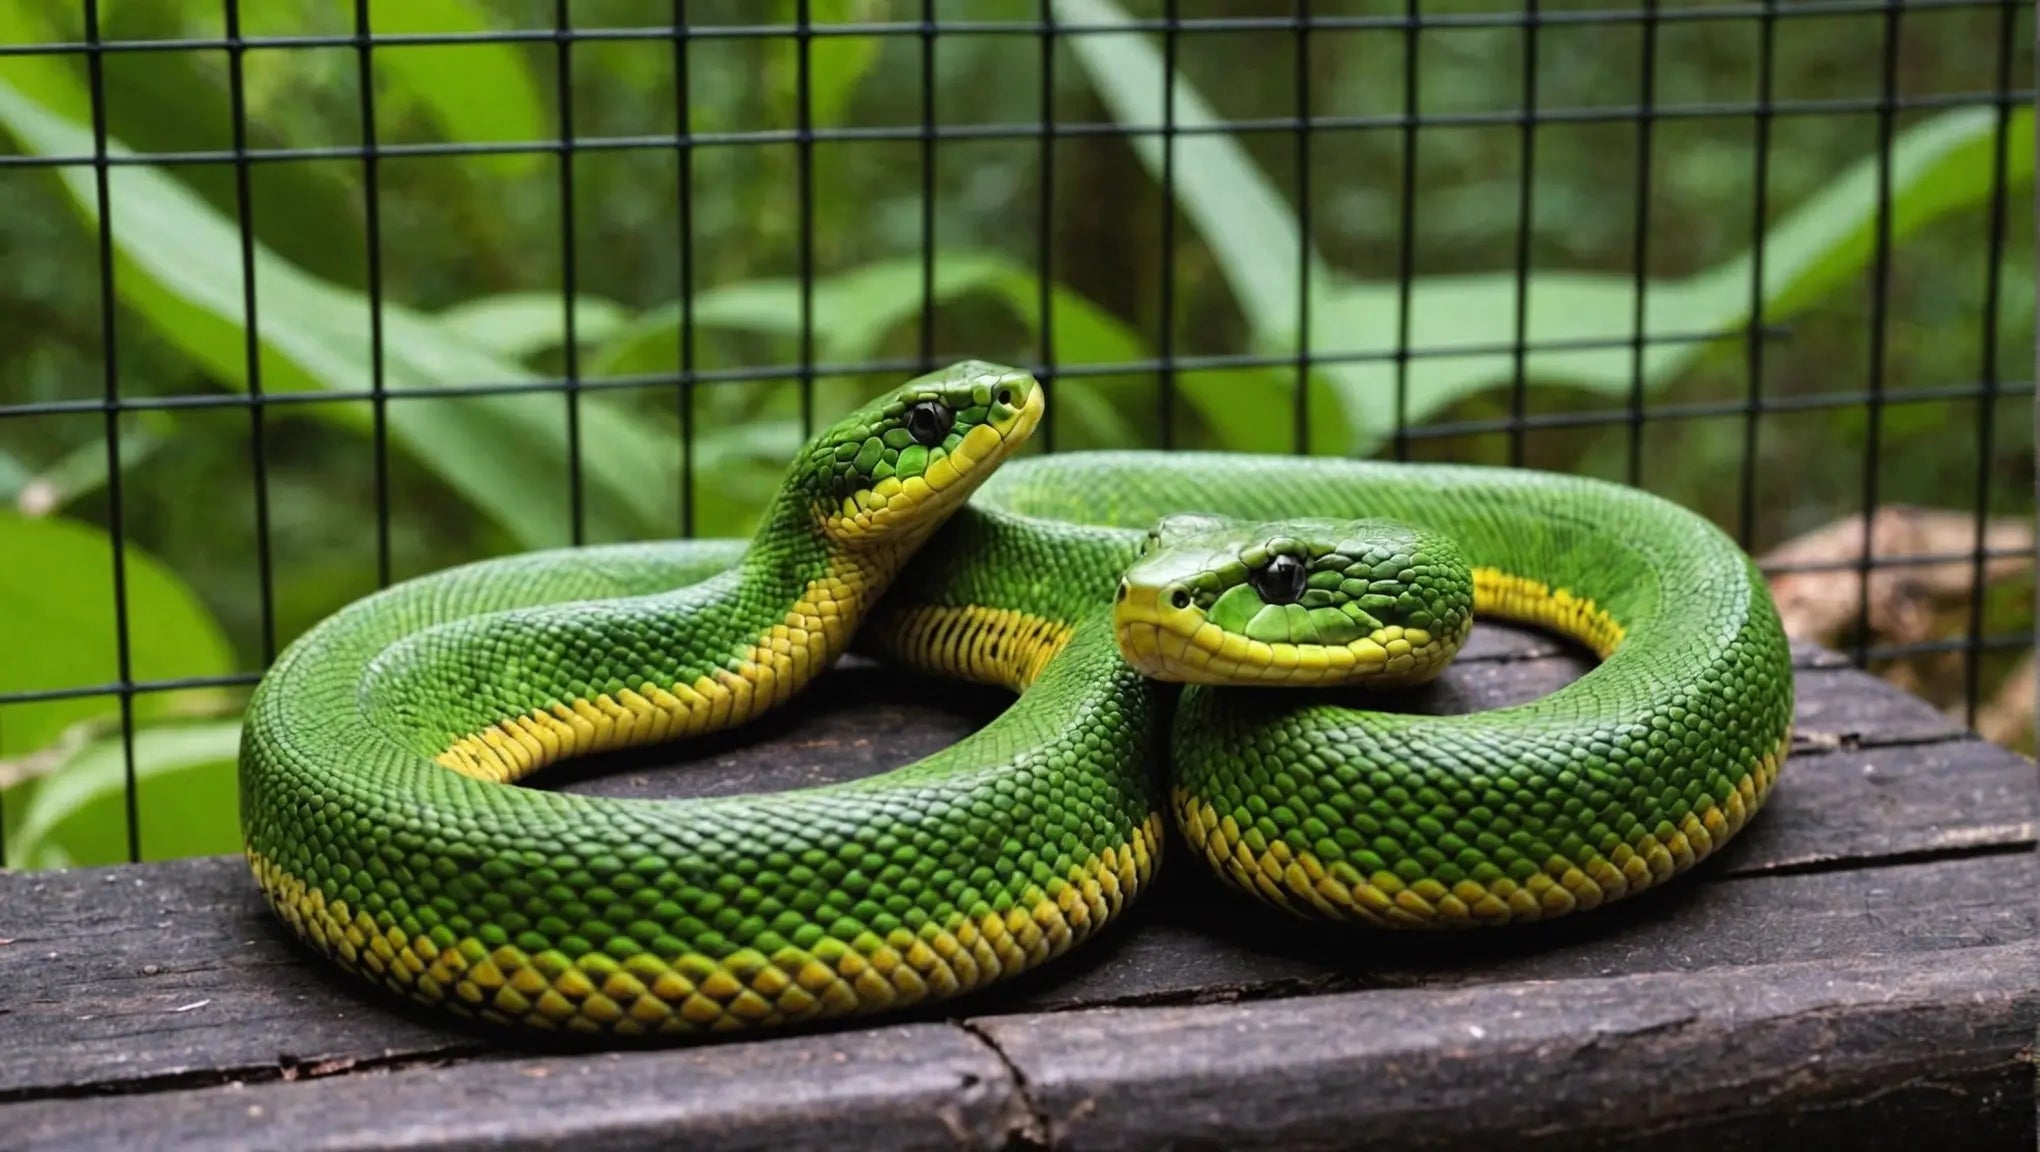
(1860, 1053)
(1895, 853)
(1682, 1061)
(907, 1087)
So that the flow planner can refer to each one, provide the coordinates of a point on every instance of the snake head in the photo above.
(898, 466)
(1304, 601)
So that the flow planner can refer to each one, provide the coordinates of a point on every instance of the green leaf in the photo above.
(1253, 409)
(853, 311)
(1941, 166)
(178, 266)
(47, 79)
(1470, 312)
(519, 325)
(1938, 167)
(186, 796)
(476, 92)
(176, 102)
(857, 311)
(1246, 221)
(837, 64)
(57, 628)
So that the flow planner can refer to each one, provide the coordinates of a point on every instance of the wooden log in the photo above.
(176, 974)
(1867, 1052)
(1889, 802)
(1847, 708)
(926, 1086)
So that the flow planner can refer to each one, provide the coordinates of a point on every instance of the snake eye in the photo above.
(928, 422)
(1281, 581)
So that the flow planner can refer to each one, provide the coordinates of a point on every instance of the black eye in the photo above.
(928, 422)
(1281, 582)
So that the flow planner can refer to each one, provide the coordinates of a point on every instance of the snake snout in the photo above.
(1153, 623)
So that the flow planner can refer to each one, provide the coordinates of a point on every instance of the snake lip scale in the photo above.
(1181, 631)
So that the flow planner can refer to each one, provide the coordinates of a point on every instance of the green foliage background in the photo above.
(471, 267)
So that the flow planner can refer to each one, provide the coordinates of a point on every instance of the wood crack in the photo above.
(284, 1068)
(1034, 1131)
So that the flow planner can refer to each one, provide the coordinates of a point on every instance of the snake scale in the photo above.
(1139, 604)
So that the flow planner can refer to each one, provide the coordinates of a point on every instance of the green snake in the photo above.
(1138, 603)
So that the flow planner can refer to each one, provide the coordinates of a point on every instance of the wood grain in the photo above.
(926, 1086)
(1862, 1053)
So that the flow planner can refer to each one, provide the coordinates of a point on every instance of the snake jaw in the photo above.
(1156, 636)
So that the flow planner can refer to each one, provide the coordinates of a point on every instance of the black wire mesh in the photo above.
(1307, 128)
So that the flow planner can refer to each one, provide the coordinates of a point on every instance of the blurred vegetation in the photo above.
(471, 280)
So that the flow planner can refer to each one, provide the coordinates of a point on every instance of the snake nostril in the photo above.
(1180, 598)
(1124, 588)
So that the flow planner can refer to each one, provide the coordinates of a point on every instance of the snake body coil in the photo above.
(378, 750)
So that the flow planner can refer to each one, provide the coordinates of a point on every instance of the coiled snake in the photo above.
(379, 750)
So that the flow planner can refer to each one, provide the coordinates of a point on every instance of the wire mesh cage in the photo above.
(308, 299)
